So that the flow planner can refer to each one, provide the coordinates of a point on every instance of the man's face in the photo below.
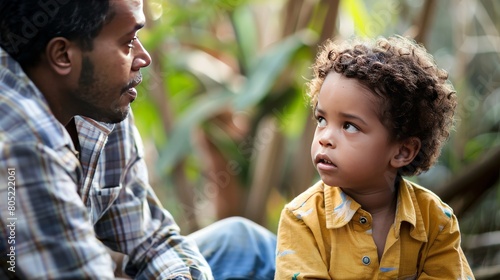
(110, 72)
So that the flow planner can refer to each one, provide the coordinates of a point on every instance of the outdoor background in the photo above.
(227, 130)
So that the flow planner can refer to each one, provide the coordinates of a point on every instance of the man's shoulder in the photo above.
(27, 119)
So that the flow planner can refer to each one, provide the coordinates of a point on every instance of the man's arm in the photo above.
(137, 225)
(50, 234)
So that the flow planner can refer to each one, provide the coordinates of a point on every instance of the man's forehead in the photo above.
(134, 4)
(127, 6)
(127, 11)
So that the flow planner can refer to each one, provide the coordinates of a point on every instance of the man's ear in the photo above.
(61, 55)
(408, 150)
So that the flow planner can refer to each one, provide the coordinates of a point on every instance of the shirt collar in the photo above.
(408, 211)
(342, 208)
(84, 123)
(92, 136)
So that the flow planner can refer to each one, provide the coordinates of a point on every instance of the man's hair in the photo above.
(416, 98)
(26, 26)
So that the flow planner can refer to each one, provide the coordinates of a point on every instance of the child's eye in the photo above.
(321, 121)
(131, 42)
(349, 127)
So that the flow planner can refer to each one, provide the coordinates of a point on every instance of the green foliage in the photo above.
(213, 60)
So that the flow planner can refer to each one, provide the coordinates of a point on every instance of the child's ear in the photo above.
(408, 150)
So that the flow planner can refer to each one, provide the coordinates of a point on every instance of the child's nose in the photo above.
(327, 138)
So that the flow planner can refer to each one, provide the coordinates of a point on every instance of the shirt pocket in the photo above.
(101, 200)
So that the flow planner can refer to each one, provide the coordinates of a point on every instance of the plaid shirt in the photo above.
(58, 207)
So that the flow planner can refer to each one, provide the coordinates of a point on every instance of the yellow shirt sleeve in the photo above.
(444, 258)
(298, 253)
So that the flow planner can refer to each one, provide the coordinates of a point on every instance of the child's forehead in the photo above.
(337, 82)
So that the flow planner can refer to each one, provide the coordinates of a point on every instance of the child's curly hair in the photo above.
(417, 100)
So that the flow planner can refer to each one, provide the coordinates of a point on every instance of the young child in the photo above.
(383, 111)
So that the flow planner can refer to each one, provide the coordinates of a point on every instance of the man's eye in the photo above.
(131, 42)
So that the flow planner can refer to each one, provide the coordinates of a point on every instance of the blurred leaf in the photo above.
(493, 115)
(246, 34)
(178, 145)
(263, 75)
(358, 14)
(153, 38)
(480, 144)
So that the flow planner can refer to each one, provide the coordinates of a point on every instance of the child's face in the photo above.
(351, 147)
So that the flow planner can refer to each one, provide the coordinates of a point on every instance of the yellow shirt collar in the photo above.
(342, 208)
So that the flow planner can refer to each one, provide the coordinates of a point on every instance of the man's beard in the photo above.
(90, 91)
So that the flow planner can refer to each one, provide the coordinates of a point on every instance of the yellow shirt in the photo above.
(324, 234)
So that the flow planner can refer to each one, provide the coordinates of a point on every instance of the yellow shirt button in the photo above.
(363, 220)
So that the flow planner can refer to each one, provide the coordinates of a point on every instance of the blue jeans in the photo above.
(237, 248)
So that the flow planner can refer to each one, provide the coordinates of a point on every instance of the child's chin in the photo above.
(329, 182)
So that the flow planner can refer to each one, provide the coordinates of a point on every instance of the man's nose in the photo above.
(142, 58)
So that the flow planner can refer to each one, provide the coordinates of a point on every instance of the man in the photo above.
(73, 179)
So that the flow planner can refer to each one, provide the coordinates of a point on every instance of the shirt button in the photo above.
(366, 260)
(363, 220)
